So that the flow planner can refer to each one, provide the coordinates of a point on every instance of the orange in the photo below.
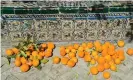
(42, 53)
(62, 48)
(96, 57)
(94, 70)
(9, 52)
(50, 45)
(15, 50)
(39, 57)
(28, 53)
(35, 62)
(31, 57)
(64, 60)
(24, 67)
(106, 65)
(23, 60)
(111, 62)
(104, 52)
(121, 43)
(111, 47)
(100, 67)
(81, 54)
(107, 43)
(71, 55)
(108, 58)
(94, 53)
(67, 50)
(17, 63)
(98, 48)
(75, 59)
(106, 75)
(113, 67)
(76, 46)
(71, 63)
(122, 57)
(117, 61)
(101, 60)
(87, 58)
(56, 60)
(80, 48)
(90, 45)
(43, 45)
(48, 54)
(104, 47)
(73, 50)
(93, 61)
(62, 52)
(83, 44)
(30, 47)
(70, 47)
(130, 51)
(18, 57)
(35, 53)
(29, 63)
(49, 50)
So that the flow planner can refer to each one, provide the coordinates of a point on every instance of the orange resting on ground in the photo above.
(71, 63)
(87, 58)
(113, 67)
(90, 45)
(23, 60)
(100, 67)
(106, 65)
(71, 55)
(93, 61)
(121, 43)
(15, 50)
(106, 75)
(76, 46)
(64, 60)
(62, 52)
(117, 61)
(94, 70)
(50, 45)
(56, 60)
(35, 53)
(43, 45)
(9, 52)
(130, 51)
(81, 54)
(24, 67)
(17, 63)
(101, 60)
(75, 59)
(35, 62)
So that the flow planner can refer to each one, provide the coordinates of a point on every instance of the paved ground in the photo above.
(60, 72)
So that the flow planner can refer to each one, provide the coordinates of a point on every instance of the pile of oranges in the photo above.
(31, 56)
(101, 56)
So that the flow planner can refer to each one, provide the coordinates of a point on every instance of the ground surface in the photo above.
(60, 72)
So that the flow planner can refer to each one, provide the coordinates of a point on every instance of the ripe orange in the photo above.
(76, 46)
(48, 54)
(83, 44)
(62, 48)
(98, 48)
(43, 45)
(96, 57)
(39, 57)
(90, 45)
(108, 58)
(101, 60)
(106, 65)
(70, 47)
(23, 60)
(107, 43)
(113, 67)
(9, 52)
(87, 58)
(94, 53)
(93, 61)
(29, 63)
(71, 55)
(35, 53)
(97, 43)
(30, 47)
(75, 59)
(67, 50)
(100, 67)
(64, 60)
(56, 60)
(15, 50)
(35, 62)
(122, 57)
(73, 50)
(62, 52)
(80, 48)
(106, 75)
(81, 54)
(17, 63)
(24, 67)
(121, 43)
(42, 53)
(28, 53)
(130, 51)
(50, 45)
(71, 63)
(117, 61)
(104, 52)
(94, 70)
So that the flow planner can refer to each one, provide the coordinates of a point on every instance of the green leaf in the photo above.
(23, 53)
(44, 61)
(88, 64)
(35, 47)
(25, 48)
(39, 67)
(9, 60)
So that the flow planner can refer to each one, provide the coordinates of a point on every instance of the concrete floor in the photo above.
(60, 72)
